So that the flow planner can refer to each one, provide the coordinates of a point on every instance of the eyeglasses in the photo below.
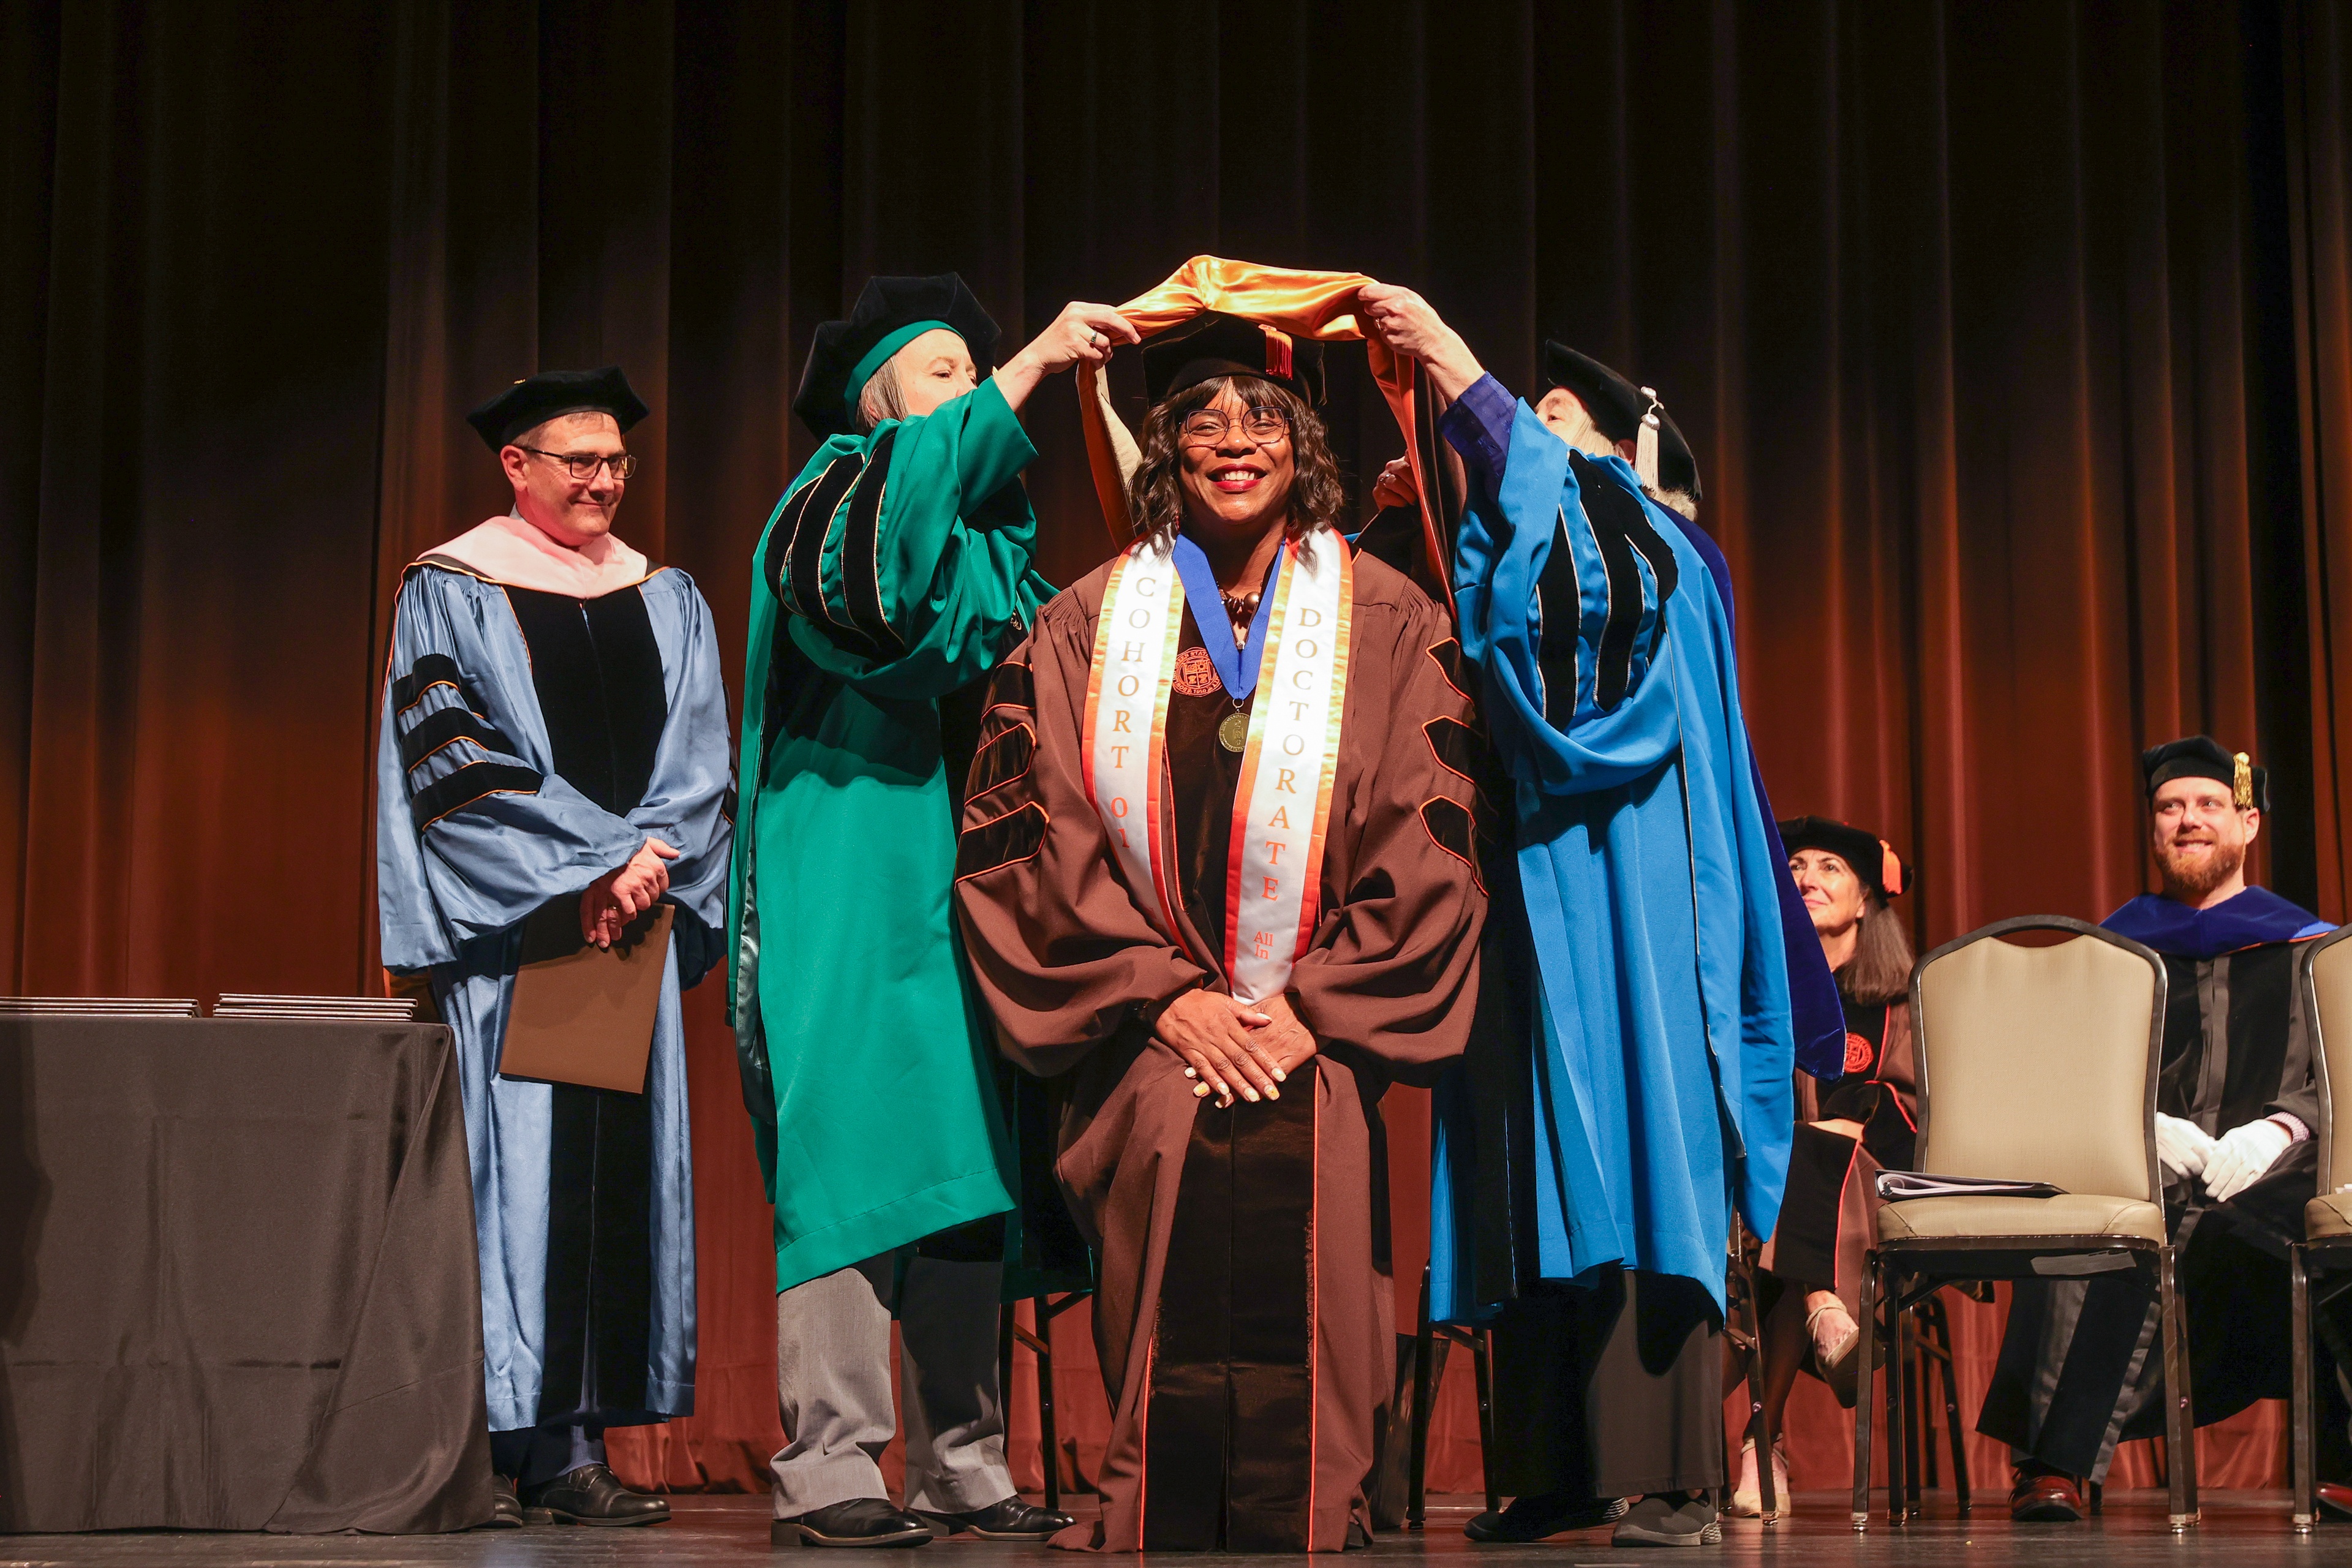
(583, 466)
(1208, 427)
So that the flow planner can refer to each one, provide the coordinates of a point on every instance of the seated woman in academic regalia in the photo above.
(1217, 870)
(1850, 1126)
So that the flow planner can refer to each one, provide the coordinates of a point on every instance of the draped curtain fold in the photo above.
(2014, 341)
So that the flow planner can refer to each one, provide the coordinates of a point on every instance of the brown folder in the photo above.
(584, 1015)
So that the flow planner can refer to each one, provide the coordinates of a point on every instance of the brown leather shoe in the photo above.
(2046, 1498)
(2334, 1500)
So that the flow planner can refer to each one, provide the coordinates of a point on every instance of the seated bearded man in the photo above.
(2081, 1368)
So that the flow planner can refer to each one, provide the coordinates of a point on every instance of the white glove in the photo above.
(2242, 1154)
(2183, 1147)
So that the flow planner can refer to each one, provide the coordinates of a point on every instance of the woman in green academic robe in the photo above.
(893, 575)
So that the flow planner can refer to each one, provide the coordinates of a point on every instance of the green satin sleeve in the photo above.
(925, 572)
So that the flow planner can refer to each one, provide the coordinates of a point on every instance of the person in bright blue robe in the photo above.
(1657, 1012)
(553, 721)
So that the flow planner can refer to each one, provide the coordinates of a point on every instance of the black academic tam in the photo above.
(2203, 757)
(1865, 853)
(536, 399)
(1617, 405)
(886, 307)
(1214, 344)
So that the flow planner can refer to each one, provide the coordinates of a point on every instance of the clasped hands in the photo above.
(2229, 1164)
(609, 904)
(1236, 1049)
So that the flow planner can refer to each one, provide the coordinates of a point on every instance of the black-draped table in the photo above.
(237, 1282)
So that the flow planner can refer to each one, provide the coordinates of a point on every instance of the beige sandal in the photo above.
(1836, 1365)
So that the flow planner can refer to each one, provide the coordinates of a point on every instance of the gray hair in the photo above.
(881, 399)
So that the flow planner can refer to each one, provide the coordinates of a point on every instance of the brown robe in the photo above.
(1244, 1318)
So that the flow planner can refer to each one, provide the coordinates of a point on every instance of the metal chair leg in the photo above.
(2179, 1419)
(1915, 1398)
(1048, 1436)
(1481, 1364)
(1890, 1285)
(1416, 1500)
(2307, 1506)
(1957, 1432)
(1931, 1475)
(1868, 1350)
(1007, 1327)
(1743, 1331)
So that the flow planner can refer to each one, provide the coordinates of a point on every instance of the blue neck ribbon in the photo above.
(1236, 666)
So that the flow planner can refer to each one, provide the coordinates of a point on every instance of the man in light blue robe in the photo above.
(1657, 1001)
(554, 745)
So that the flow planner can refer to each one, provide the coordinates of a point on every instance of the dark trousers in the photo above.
(1611, 1390)
(2082, 1360)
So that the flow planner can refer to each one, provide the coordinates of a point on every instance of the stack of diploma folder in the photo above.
(319, 1009)
(96, 1007)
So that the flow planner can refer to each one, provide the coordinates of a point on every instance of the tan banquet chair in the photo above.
(2036, 1064)
(2327, 1247)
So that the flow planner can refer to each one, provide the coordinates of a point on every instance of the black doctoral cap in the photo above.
(1214, 344)
(890, 313)
(2201, 757)
(1617, 405)
(536, 399)
(1868, 855)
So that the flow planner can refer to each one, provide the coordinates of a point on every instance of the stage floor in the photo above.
(2247, 1528)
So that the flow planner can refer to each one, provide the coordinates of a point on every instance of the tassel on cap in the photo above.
(2242, 786)
(1645, 445)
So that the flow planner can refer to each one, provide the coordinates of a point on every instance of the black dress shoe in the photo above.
(1010, 1520)
(506, 1509)
(860, 1521)
(591, 1495)
(1546, 1513)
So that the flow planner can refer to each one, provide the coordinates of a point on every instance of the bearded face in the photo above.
(2201, 837)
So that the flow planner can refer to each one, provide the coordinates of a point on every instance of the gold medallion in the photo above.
(1233, 734)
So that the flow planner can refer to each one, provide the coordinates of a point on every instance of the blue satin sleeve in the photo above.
(474, 828)
(1504, 541)
(693, 782)
(1479, 426)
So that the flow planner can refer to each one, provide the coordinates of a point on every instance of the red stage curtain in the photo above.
(2014, 340)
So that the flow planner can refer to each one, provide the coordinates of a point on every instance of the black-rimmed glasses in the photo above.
(583, 466)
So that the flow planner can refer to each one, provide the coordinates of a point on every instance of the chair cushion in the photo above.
(2070, 1213)
(2330, 1214)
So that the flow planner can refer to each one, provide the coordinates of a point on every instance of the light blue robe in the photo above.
(1662, 1042)
(452, 896)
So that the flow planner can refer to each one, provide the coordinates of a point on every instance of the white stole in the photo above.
(1282, 804)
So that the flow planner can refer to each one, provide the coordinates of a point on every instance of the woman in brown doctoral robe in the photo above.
(1216, 868)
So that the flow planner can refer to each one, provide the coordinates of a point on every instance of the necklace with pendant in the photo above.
(1232, 731)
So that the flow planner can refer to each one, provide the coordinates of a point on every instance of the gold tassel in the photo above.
(1645, 445)
(2243, 786)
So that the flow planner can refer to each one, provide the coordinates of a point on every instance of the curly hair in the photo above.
(1155, 495)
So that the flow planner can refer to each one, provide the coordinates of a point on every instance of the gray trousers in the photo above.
(833, 1384)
